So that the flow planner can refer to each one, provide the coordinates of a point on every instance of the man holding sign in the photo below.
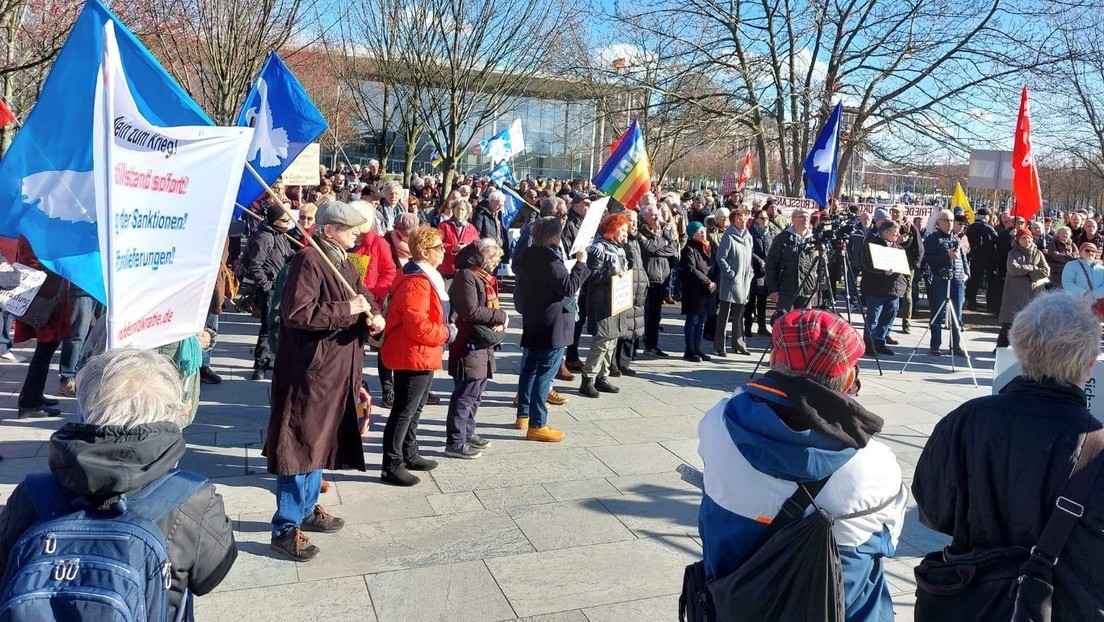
(884, 267)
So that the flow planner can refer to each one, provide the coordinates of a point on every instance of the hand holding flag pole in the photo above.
(279, 201)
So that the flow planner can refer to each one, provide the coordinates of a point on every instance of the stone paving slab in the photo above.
(595, 529)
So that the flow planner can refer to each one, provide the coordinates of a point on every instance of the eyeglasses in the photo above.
(438, 247)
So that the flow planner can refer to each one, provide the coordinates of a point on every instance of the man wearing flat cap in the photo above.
(798, 425)
(317, 378)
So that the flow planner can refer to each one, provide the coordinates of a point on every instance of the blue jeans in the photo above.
(296, 496)
(880, 313)
(538, 370)
(84, 309)
(693, 329)
(212, 323)
(937, 293)
(6, 333)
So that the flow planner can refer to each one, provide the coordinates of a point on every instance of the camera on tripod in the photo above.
(832, 231)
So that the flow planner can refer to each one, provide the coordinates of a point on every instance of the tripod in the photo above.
(954, 324)
(823, 288)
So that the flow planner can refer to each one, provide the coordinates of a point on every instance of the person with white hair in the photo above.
(992, 469)
(130, 401)
(950, 268)
(488, 218)
(390, 206)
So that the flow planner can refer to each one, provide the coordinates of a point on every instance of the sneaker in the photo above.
(464, 452)
(521, 423)
(208, 376)
(555, 399)
(40, 412)
(656, 352)
(604, 386)
(294, 545)
(321, 521)
(68, 388)
(421, 464)
(478, 442)
(544, 435)
(399, 477)
(10, 356)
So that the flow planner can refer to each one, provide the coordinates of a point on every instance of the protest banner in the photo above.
(164, 197)
(621, 292)
(786, 205)
(887, 258)
(16, 301)
(303, 170)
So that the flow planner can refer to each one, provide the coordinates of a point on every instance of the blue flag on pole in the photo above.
(285, 121)
(501, 173)
(511, 207)
(823, 161)
(47, 189)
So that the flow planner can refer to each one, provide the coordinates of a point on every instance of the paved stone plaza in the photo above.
(597, 528)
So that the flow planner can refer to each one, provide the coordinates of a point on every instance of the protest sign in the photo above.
(728, 184)
(887, 258)
(164, 196)
(16, 301)
(621, 292)
(303, 170)
(589, 227)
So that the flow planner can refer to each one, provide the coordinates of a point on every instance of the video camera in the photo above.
(833, 230)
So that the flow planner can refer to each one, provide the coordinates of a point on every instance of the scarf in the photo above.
(490, 286)
(435, 278)
(806, 405)
(336, 254)
(189, 356)
(401, 246)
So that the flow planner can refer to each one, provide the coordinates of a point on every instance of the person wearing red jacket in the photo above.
(417, 330)
(457, 233)
(380, 274)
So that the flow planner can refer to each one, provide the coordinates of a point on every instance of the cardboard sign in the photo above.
(1007, 367)
(589, 227)
(16, 301)
(729, 184)
(621, 292)
(888, 258)
(303, 170)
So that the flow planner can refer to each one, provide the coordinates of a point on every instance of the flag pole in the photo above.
(325, 258)
(246, 210)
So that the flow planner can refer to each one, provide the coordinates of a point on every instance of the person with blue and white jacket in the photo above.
(1085, 275)
(796, 424)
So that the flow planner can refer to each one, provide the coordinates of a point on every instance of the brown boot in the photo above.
(564, 374)
(326, 485)
(522, 423)
(545, 434)
(556, 399)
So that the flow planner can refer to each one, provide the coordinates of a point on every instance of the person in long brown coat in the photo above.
(316, 378)
(1028, 273)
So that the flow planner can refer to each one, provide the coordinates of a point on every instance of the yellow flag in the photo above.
(959, 200)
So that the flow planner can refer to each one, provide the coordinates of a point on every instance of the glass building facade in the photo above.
(560, 139)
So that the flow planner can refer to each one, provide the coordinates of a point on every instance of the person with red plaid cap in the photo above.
(797, 424)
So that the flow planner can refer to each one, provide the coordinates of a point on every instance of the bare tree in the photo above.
(908, 71)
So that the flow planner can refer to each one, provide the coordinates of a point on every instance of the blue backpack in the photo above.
(81, 563)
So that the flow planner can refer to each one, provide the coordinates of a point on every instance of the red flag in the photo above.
(745, 171)
(6, 115)
(1025, 177)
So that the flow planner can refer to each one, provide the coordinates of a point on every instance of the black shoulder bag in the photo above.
(1008, 583)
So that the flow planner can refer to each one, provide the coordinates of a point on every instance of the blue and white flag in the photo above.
(511, 207)
(501, 173)
(823, 161)
(285, 121)
(505, 144)
(47, 192)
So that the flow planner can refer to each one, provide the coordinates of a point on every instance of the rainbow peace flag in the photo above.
(627, 175)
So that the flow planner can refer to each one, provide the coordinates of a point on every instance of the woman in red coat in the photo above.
(457, 233)
(417, 330)
(32, 403)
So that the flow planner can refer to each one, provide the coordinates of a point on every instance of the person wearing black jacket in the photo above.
(992, 469)
(579, 206)
(658, 247)
(983, 248)
(761, 239)
(131, 401)
(268, 251)
(546, 324)
(883, 290)
(697, 289)
(909, 238)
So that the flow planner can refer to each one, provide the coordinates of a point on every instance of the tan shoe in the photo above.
(326, 485)
(556, 399)
(545, 434)
(522, 423)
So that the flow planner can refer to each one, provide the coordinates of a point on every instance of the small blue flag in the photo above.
(285, 121)
(513, 205)
(501, 173)
(823, 161)
(47, 188)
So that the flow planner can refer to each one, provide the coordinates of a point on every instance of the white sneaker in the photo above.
(13, 357)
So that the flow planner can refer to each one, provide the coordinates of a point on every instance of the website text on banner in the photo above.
(161, 235)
